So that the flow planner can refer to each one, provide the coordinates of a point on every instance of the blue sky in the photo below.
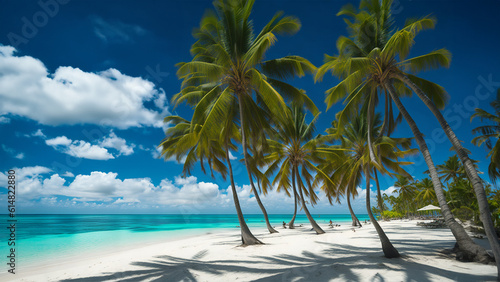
(84, 86)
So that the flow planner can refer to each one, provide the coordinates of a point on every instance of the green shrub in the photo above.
(391, 214)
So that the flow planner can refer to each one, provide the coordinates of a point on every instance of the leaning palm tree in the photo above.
(183, 141)
(354, 141)
(488, 135)
(294, 154)
(228, 71)
(385, 68)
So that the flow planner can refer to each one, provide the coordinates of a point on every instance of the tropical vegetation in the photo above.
(243, 101)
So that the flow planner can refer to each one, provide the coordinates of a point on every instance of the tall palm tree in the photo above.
(294, 153)
(366, 72)
(348, 175)
(183, 141)
(228, 71)
(488, 135)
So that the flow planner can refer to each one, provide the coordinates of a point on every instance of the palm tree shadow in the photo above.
(334, 262)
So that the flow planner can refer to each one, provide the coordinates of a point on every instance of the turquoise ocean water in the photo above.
(45, 238)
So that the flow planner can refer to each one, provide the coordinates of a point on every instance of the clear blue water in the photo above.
(41, 238)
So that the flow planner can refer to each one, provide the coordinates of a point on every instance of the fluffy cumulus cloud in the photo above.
(106, 190)
(72, 96)
(79, 148)
(115, 142)
(41, 184)
(86, 150)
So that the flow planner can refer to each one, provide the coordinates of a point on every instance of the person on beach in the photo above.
(284, 225)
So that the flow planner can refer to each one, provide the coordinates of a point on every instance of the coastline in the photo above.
(58, 238)
(340, 254)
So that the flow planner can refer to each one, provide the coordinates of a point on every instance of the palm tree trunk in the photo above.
(247, 238)
(245, 154)
(370, 148)
(477, 183)
(465, 243)
(355, 220)
(471, 171)
(387, 247)
(315, 226)
(291, 223)
(379, 195)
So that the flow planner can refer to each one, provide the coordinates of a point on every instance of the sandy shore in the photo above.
(291, 255)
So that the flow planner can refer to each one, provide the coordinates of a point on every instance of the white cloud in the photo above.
(79, 148)
(82, 149)
(39, 133)
(156, 152)
(28, 176)
(177, 195)
(19, 156)
(86, 150)
(72, 96)
(115, 30)
(4, 120)
(31, 171)
(68, 174)
(107, 187)
(59, 141)
(115, 142)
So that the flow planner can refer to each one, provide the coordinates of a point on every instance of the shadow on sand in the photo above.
(334, 262)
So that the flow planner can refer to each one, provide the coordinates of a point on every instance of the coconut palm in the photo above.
(426, 194)
(385, 68)
(183, 141)
(488, 135)
(228, 71)
(452, 169)
(355, 220)
(334, 163)
(348, 175)
(295, 155)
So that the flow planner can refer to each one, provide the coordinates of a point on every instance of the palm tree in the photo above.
(426, 194)
(452, 169)
(228, 72)
(183, 141)
(355, 220)
(295, 154)
(348, 175)
(488, 133)
(407, 192)
(365, 72)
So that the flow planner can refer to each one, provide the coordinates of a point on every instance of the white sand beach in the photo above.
(291, 255)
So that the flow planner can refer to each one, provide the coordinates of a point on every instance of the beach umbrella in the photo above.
(429, 208)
